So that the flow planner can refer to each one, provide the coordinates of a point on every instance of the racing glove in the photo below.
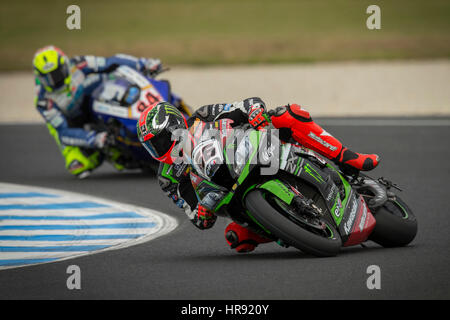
(204, 218)
(180, 203)
(171, 190)
(100, 140)
(257, 117)
(152, 66)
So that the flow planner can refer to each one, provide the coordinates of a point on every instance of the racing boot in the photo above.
(309, 134)
(243, 239)
(80, 162)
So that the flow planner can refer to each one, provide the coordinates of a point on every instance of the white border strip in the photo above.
(163, 222)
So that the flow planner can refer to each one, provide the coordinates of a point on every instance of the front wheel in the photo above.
(396, 225)
(275, 217)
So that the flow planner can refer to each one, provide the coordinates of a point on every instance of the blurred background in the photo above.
(380, 91)
(318, 53)
(205, 32)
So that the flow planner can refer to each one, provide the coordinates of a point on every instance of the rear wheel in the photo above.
(311, 235)
(395, 226)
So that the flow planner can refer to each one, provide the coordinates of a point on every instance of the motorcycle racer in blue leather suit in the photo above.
(63, 86)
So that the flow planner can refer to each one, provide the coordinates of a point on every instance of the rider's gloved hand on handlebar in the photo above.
(258, 117)
(152, 66)
(100, 139)
(180, 203)
(204, 219)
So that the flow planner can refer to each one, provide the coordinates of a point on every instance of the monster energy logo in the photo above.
(171, 109)
(168, 109)
(313, 173)
(156, 126)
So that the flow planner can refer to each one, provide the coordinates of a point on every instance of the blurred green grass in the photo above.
(204, 32)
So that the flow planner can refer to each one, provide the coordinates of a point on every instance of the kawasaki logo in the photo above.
(313, 173)
(349, 223)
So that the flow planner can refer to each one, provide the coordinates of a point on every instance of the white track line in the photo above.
(41, 229)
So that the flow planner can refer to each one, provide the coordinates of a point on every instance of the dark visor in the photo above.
(55, 79)
(160, 144)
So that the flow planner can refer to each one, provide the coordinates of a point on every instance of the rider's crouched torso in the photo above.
(66, 110)
(178, 180)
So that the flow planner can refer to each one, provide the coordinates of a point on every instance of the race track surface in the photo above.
(193, 264)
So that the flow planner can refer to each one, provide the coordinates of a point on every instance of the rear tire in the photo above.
(396, 225)
(290, 232)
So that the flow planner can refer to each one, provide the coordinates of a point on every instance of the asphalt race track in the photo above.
(193, 264)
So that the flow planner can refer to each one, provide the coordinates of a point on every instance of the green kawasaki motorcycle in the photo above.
(292, 195)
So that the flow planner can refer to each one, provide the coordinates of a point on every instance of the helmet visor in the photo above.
(55, 79)
(160, 144)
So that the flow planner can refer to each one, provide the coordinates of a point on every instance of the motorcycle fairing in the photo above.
(110, 103)
(208, 193)
(111, 98)
(359, 225)
(349, 211)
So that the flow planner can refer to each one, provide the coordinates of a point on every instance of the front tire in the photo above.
(290, 232)
(396, 225)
